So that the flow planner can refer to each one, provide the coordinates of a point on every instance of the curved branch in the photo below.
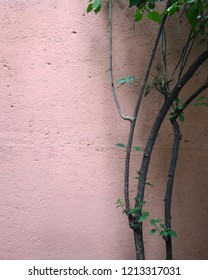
(123, 116)
(190, 99)
(169, 187)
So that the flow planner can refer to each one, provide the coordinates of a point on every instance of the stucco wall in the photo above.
(61, 171)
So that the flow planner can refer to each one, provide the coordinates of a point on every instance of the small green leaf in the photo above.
(173, 9)
(155, 16)
(181, 117)
(151, 4)
(133, 210)
(128, 79)
(163, 226)
(180, 107)
(147, 90)
(172, 233)
(138, 15)
(137, 148)
(141, 203)
(153, 231)
(173, 115)
(200, 101)
(97, 6)
(177, 101)
(164, 233)
(120, 145)
(89, 8)
(153, 222)
(144, 216)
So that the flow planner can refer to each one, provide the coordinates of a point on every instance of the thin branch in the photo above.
(190, 37)
(123, 116)
(165, 90)
(169, 187)
(190, 99)
(186, 56)
(164, 57)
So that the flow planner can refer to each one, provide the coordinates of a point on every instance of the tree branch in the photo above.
(122, 115)
(169, 187)
(190, 99)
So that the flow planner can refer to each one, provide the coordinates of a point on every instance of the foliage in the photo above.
(194, 10)
(94, 6)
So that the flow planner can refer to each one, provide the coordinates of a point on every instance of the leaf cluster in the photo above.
(94, 5)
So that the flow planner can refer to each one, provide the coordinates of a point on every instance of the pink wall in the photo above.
(61, 172)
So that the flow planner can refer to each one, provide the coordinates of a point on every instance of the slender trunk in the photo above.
(139, 244)
(169, 187)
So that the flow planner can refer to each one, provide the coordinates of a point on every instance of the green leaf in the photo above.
(173, 115)
(119, 203)
(133, 210)
(172, 233)
(164, 233)
(151, 4)
(127, 79)
(138, 15)
(180, 107)
(181, 117)
(200, 101)
(153, 231)
(120, 145)
(141, 203)
(153, 222)
(144, 216)
(155, 16)
(163, 226)
(137, 148)
(89, 8)
(133, 3)
(173, 9)
(137, 3)
(177, 101)
(97, 6)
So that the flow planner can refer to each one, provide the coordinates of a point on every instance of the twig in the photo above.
(190, 99)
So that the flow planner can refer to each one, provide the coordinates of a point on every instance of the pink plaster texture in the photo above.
(61, 171)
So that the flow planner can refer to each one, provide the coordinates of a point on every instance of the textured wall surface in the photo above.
(61, 171)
